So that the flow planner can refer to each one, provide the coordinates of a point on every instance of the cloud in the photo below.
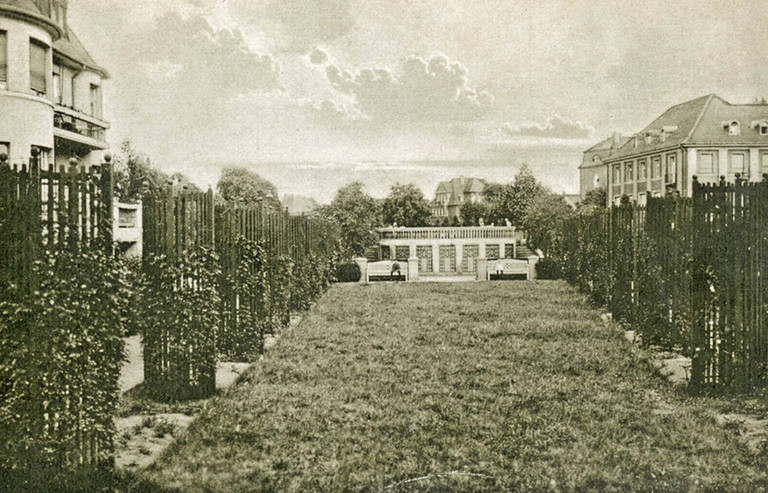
(310, 22)
(318, 56)
(426, 90)
(328, 113)
(556, 127)
(209, 63)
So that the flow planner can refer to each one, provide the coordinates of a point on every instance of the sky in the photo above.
(312, 94)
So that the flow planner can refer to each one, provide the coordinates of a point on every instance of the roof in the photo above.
(70, 46)
(697, 122)
(28, 9)
(65, 41)
(458, 187)
(603, 150)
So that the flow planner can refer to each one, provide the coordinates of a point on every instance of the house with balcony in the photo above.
(707, 137)
(50, 87)
(451, 195)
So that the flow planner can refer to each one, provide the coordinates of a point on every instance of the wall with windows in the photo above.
(710, 163)
(25, 117)
(649, 175)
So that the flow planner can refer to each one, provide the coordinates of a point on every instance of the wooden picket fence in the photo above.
(258, 251)
(687, 274)
(45, 213)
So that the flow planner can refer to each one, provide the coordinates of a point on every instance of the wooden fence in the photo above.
(48, 218)
(260, 254)
(687, 274)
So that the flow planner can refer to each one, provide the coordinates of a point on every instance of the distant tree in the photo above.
(245, 186)
(135, 175)
(357, 214)
(597, 198)
(510, 201)
(182, 182)
(471, 212)
(406, 206)
(542, 218)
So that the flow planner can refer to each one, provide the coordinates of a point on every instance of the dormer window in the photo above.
(732, 126)
(761, 126)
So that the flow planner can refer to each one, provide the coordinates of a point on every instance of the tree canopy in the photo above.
(239, 184)
(135, 174)
(405, 206)
(357, 214)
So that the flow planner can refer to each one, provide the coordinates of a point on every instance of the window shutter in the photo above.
(38, 62)
(3, 56)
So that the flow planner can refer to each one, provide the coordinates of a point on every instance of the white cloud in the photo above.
(426, 90)
(556, 127)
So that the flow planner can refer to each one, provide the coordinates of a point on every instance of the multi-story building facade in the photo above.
(592, 172)
(50, 87)
(451, 195)
(707, 137)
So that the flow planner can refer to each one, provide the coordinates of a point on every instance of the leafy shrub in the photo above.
(61, 349)
(347, 272)
(548, 268)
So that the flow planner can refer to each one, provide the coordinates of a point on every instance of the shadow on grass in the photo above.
(83, 480)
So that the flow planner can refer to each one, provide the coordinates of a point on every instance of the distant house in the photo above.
(706, 137)
(451, 195)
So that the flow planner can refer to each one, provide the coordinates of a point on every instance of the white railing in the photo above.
(458, 233)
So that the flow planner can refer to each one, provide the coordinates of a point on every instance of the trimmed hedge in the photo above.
(348, 272)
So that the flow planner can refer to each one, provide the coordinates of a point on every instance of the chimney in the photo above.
(648, 139)
(616, 139)
(634, 141)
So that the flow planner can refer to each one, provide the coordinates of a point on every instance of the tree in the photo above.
(183, 183)
(357, 214)
(510, 201)
(471, 212)
(245, 186)
(405, 206)
(135, 175)
(597, 198)
(542, 218)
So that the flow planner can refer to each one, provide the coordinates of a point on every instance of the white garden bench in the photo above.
(508, 266)
(382, 270)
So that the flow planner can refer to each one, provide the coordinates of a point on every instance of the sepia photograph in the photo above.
(383, 246)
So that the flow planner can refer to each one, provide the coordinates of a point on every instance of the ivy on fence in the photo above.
(180, 310)
(686, 274)
(60, 356)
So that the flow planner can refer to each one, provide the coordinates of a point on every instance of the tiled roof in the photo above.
(603, 150)
(700, 122)
(71, 47)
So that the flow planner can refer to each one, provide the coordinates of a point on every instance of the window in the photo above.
(95, 100)
(596, 180)
(656, 168)
(708, 162)
(642, 199)
(642, 169)
(738, 162)
(629, 172)
(3, 56)
(492, 251)
(126, 218)
(617, 200)
(671, 169)
(616, 174)
(764, 161)
(38, 63)
(733, 128)
(57, 84)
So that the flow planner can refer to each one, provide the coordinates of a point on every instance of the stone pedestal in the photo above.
(413, 269)
(532, 267)
(482, 268)
(363, 264)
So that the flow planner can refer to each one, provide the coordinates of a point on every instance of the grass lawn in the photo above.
(520, 384)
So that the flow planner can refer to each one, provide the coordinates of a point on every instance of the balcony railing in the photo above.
(79, 126)
(465, 233)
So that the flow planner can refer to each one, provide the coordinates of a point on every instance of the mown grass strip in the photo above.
(519, 386)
